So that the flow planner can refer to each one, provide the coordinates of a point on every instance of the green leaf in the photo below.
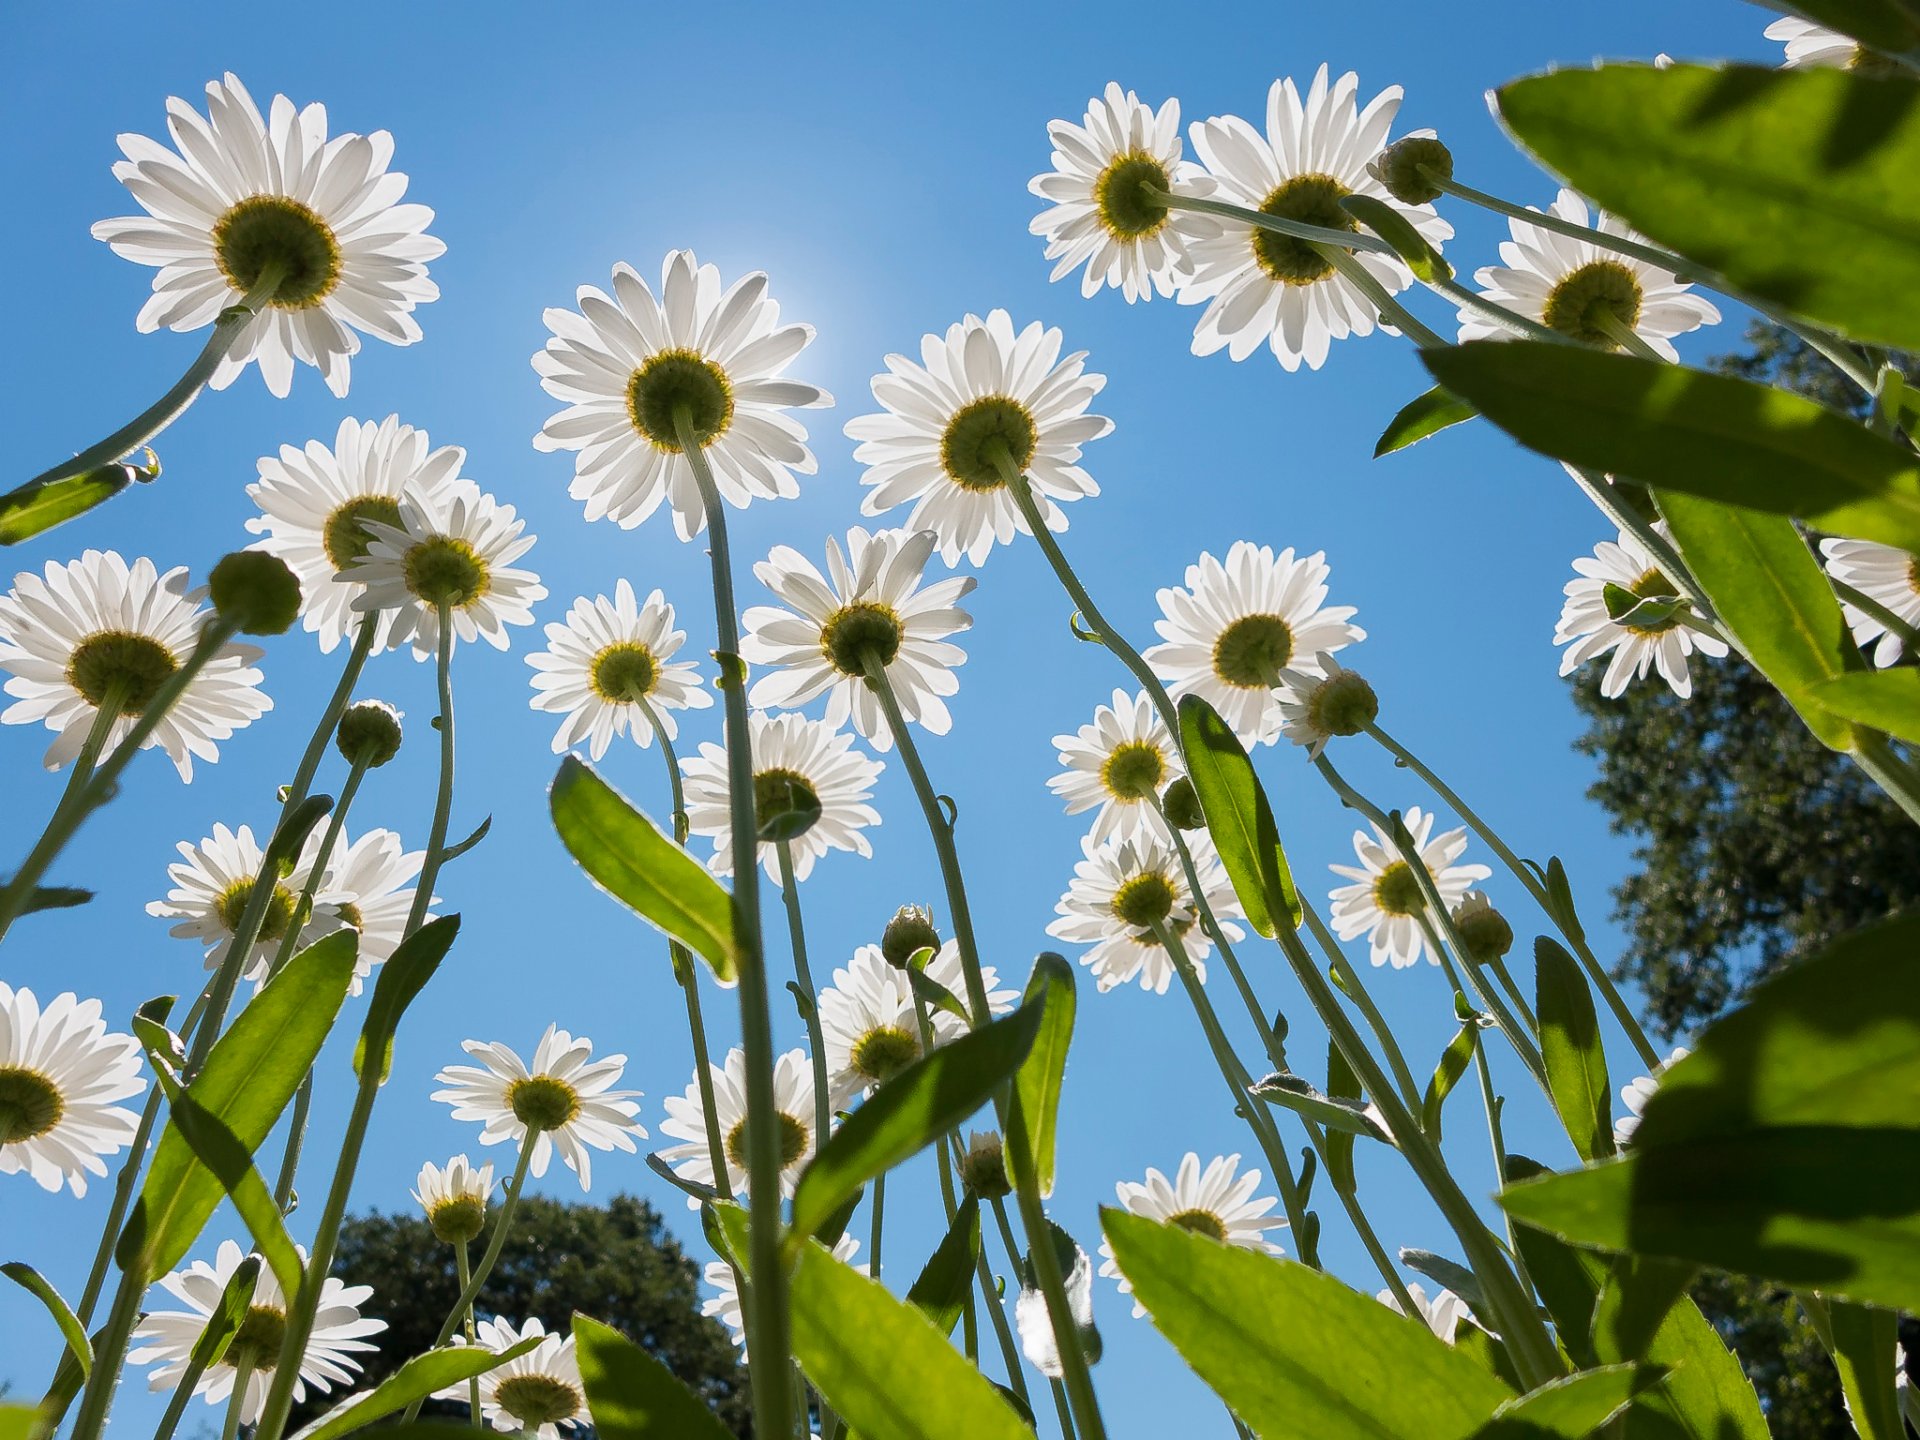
(935, 996)
(227, 1317)
(231, 1162)
(632, 1396)
(941, 1290)
(1889, 25)
(1626, 608)
(1560, 891)
(1033, 1117)
(914, 1108)
(417, 1379)
(1796, 185)
(1861, 1339)
(1572, 1407)
(1453, 1064)
(36, 1285)
(401, 979)
(1296, 1093)
(249, 1076)
(637, 863)
(1428, 413)
(1342, 1084)
(1294, 1352)
(35, 508)
(1394, 228)
(1450, 1273)
(1238, 817)
(18, 1422)
(1704, 1395)
(1567, 1280)
(884, 1366)
(55, 897)
(1571, 1047)
(283, 849)
(1886, 700)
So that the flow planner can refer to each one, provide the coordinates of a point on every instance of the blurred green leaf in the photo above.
(1571, 1047)
(401, 979)
(1705, 1394)
(632, 1396)
(1238, 817)
(1861, 1339)
(1886, 700)
(1889, 25)
(37, 1285)
(34, 508)
(1342, 1084)
(1427, 414)
(54, 897)
(1296, 1093)
(1572, 1407)
(1033, 1117)
(940, 1291)
(17, 1422)
(418, 1379)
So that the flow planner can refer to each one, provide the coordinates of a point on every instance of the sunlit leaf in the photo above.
(35, 508)
(1033, 1118)
(1427, 414)
(1570, 1045)
(417, 1379)
(71, 1330)
(401, 979)
(941, 1289)
(632, 1396)
(1886, 700)
(1238, 817)
(1572, 1407)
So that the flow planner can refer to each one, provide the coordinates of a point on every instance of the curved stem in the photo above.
(465, 1273)
(1507, 319)
(1344, 240)
(1391, 310)
(109, 1356)
(1666, 559)
(1355, 989)
(816, 1042)
(1624, 335)
(337, 703)
(242, 1382)
(1063, 1408)
(1887, 770)
(443, 801)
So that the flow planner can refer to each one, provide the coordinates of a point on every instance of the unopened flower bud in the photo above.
(1401, 163)
(369, 733)
(908, 933)
(1181, 805)
(983, 1168)
(255, 592)
(1345, 704)
(1483, 929)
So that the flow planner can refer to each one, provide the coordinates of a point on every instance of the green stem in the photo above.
(816, 1041)
(1062, 1405)
(436, 854)
(337, 703)
(109, 1356)
(1343, 240)
(1518, 324)
(1861, 601)
(1624, 335)
(1491, 1104)
(1628, 520)
(1355, 989)
(876, 1220)
(1887, 770)
(177, 1402)
(242, 1381)
(465, 1273)
(1391, 310)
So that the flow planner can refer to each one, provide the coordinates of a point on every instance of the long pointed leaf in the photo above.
(1238, 817)
(940, 1291)
(37, 1285)
(1035, 1114)
(1570, 1045)
(417, 1379)
(406, 972)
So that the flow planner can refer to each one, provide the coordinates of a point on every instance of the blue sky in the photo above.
(874, 160)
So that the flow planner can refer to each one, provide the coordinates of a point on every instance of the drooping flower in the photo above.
(566, 1093)
(793, 1109)
(1319, 703)
(1122, 888)
(870, 601)
(724, 1304)
(454, 1199)
(1588, 628)
(1635, 1094)
(1120, 762)
(1442, 1314)
(1385, 902)
(606, 658)
(532, 1394)
(1880, 572)
(246, 196)
(627, 364)
(97, 631)
(61, 1074)
(982, 398)
(1214, 1202)
(212, 884)
(870, 1024)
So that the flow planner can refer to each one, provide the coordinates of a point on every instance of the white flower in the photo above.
(564, 1091)
(369, 884)
(1880, 572)
(870, 1025)
(1385, 902)
(314, 502)
(77, 632)
(60, 1074)
(724, 1305)
(243, 194)
(1234, 631)
(793, 1105)
(1811, 45)
(1442, 1314)
(1587, 628)
(603, 660)
(533, 1394)
(1568, 285)
(1121, 888)
(1265, 286)
(1122, 762)
(167, 1337)
(627, 362)
(1323, 701)
(1212, 1202)
(1635, 1094)
(980, 397)
(1097, 216)
(1035, 1322)
(796, 763)
(214, 880)
(454, 546)
(869, 600)
(454, 1200)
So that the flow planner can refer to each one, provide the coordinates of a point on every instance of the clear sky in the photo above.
(874, 160)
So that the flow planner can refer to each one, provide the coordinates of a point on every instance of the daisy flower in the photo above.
(1234, 630)
(724, 1305)
(1319, 703)
(533, 1394)
(213, 882)
(60, 1074)
(245, 197)
(454, 1200)
(801, 768)
(604, 660)
(1121, 889)
(1263, 286)
(1117, 765)
(1635, 1094)
(454, 547)
(1385, 902)
(1811, 46)
(982, 398)
(627, 363)
(870, 601)
(369, 884)
(686, 1121)
(315, 501)
(1442, 1314)
(1214, 1202)
(1577, 287)
(1881, 573)
(869, 1022)
(1098, 215)
(564, 1092)
(166, 1337)
(1587, 627)
(79, 634)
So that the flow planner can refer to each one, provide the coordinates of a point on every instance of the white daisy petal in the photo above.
(61, 1072)
(1210, 1202)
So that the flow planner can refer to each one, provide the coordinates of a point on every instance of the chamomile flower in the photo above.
(1215, 1202)
(1385, 902)
(1635, 1094)
(212, 884)
(453, 547)
(98, 631)
(793, 1111)
(1811, 46)
(532, 1394)
(566, 1093)
(1099, 214)
(1880, 572)
(1584, 289)
(870, 601)
(454, 1199)
(608, 665)
(1442, 1314)
(627, 364)
(1122, 888)
(167, 1337)
(1588, 628)
(61, 1072)
(314, 503)
(1234, 630)
(870, 1023)
(1319, 703)
(724, 1304)
(1117, 765)
(1261, 286)
(807, 777)
(245, 198)
(981, 399)
(369, 885)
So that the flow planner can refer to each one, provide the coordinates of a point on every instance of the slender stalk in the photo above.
(876, 1222)
(1391, 310)
(1490, 1103)
(81, 773)
(465, 1273)
(1624, 335)
(1908, 634)
(337, 703)
(1062, 1406)
(1344, 240)
(1354, 988)
(1600, 491)
(177, 1402)
(242, 1382)
(1887, 770)
(1518, 324)
(109, 1356)
(816, 1042)
(436, 854)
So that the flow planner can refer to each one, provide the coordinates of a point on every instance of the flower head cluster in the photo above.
(1127, 894)
(609, 669)
(1386, 901)
(62, 1074)
(1620, 602)
(1215, 1201)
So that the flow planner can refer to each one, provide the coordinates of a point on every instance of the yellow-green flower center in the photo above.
(134, 665)
(624, 672)
(1397, 891)
(1871, 62)
(350, 915)
(345, 536)
(1201, 1222)
(274, 230)
(1311, 199)
(1119, 193)
(458, 1219)
(258, 1338)
(793, 1142)
(785, 804)
(446, 570)
(1583, 299)
(232, 904)
(854, 631)
(1133, 770)
(30, 1104)
(672, 380)
(1252, 651)
(536, 1400)
(1144, 900)
(982, 435)
(884, 1052)
(543, 1101)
